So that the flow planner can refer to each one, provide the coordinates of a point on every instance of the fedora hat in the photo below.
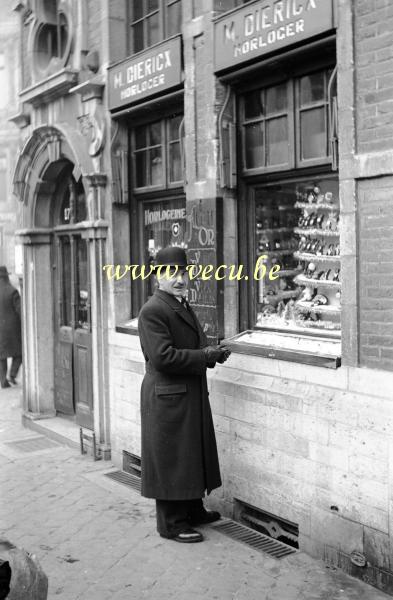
(171, 256)
(3, 271)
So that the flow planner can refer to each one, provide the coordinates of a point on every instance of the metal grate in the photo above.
(33, 444)
(257, 540)
(125, 479)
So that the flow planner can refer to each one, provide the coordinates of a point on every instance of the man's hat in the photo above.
(171, 256)
(3, 272)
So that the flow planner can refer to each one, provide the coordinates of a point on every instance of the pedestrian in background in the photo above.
(179, 453)
(10, 329)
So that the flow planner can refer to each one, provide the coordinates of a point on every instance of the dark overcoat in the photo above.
(10, 330)
(179, 453)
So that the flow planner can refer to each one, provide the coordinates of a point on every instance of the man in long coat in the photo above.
(179, 453)
(10, 329)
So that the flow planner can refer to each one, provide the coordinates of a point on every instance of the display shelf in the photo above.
(322, 309)
(327, 283)
(274, 230)
(312, 232)
(316, 257)
(318, 325)
(271, 209)
(275, 252)
(314, 205)
(288, 272)
(281, 295)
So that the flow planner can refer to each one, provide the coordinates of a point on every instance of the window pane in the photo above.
(140, 169)
(153, 30)
(276, 98)
(82, 290)
(155, 134)
(174, 162)
(305, 292)
(174, 125)
(65, 281)
(164, 224)
(156, 167)
(253, 106)
(140, 137)
(277, 143)
(254, 147)
(137, 34)
(137, 9)
(152, 5)
(312, 88)
(80, 199)
(173, 19)
(313, 134)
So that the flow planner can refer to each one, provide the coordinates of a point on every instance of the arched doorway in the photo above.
(65, 315)
(73, 393)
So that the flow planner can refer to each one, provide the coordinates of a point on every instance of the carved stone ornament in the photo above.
(92, 126)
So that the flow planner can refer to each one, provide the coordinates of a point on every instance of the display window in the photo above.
(297, 229)
(291, 217)
(158, 208)
(152, 21)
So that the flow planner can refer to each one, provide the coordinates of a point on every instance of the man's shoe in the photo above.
(187, 536)
(12, 380)
(209, 516)
(5, 384)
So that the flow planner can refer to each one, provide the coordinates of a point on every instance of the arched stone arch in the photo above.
(48, 154)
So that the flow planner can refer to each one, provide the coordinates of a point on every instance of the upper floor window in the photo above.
(156, 154)
(152, 21)
(285, 126)
(52, 36)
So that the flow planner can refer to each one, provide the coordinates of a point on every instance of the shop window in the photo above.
(164, 224)
(158, 208)
(293, 214)
(152, 21)
(286, 125)
(156, 154)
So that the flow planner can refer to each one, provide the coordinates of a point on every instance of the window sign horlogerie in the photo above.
(264, 27)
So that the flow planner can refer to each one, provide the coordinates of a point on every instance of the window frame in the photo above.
(139, 197)
(165, 144)
(162, 11)
(294, 110)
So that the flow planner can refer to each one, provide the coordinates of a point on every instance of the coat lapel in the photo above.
(178, 308)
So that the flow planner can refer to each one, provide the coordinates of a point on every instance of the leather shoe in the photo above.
(5, 384)
(209, 516)
(12, 380)
(187, 536)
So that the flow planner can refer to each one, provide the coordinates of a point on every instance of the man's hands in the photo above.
(216, 354)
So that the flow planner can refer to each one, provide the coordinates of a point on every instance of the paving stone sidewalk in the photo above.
(96, 539)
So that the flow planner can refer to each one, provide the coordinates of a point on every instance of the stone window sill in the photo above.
(321, 351)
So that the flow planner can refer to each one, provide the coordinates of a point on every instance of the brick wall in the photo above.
(374, 74)
(376, 272)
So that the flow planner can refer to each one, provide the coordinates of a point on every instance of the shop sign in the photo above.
(263, 27)
(149, 72)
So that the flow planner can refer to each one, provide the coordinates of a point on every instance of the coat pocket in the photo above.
(171, 402)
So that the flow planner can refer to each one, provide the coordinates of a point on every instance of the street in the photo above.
(96, 539)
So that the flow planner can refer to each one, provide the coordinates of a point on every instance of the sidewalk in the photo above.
(96, 539)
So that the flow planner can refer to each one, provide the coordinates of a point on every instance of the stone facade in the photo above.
(307, 444)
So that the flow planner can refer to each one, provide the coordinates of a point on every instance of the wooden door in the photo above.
(73, 368)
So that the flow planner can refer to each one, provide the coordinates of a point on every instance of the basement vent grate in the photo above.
(33, 444)
(257, 540)
(125, 479)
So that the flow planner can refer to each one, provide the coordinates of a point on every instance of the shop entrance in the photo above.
(72, 313)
